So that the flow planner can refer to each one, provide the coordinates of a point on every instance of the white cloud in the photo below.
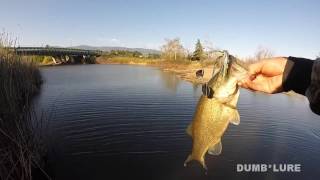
(107, 41)
(114, 40)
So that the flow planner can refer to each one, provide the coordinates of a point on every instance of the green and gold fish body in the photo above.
(210, 121)
(214, 112)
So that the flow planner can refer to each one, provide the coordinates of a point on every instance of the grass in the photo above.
(21, 146)
(126, 60)
(148, 61)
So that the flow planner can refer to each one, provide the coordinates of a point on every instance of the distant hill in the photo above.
(109, 48)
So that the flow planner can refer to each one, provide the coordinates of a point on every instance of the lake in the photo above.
(128, 122)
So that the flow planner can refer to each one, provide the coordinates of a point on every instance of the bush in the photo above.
(20, 140)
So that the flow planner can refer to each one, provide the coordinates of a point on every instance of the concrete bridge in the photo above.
(60, 55)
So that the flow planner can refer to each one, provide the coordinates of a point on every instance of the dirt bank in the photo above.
(185, 70)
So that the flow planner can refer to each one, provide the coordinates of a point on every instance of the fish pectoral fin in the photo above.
(215, 149)
(234, 117)
(189, 129)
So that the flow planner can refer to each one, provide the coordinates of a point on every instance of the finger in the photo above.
(263, 84)
(255, 68)
(245, 84)
(260, 83)
(254, 86)
(248, 77)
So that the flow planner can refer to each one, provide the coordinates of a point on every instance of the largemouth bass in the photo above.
(216, 108)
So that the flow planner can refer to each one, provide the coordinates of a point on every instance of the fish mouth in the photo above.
(209, 93)
(222, 72)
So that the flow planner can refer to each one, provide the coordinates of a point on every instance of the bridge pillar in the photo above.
(67, 58)
(63, 59)
(71, 59)
(59, 59)
(77, 59)
(89, 59)
(74, 59)
(56, 59)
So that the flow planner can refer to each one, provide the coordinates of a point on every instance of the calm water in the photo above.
(128, 122)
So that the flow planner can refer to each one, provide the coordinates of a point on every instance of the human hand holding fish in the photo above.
(265, 75)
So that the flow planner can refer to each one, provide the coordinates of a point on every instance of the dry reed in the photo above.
(21, 147)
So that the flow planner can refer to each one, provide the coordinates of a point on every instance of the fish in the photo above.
(216, 108)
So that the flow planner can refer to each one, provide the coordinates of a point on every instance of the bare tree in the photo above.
(262, 53)
(210, 50)
(173, 49)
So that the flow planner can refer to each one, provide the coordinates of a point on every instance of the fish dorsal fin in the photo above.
(215, 149)
(189, 129)
(234, 117)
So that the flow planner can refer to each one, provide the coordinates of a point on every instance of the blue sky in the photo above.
(288, 27)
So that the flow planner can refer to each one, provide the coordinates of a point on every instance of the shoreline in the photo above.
(183, 70)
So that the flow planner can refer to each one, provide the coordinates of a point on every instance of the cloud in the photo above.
(107, 41)
(114, 40)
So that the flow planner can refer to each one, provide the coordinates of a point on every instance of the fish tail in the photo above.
(189, 158)
(201, 161)
(203, 164)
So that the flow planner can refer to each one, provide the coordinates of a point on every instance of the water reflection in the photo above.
(172, 82)
(169, 80)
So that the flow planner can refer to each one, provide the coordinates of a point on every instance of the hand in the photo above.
(265, 75)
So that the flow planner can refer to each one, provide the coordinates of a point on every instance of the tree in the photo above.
(173, 50)
(198, 53)
(209, 50)
(263, 53)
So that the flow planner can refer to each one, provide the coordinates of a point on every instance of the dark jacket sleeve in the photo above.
(313, 91)
(303, 76)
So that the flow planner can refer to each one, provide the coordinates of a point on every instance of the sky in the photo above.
(286, 27)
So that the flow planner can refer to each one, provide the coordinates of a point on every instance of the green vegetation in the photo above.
(135, 54)
(127, 57)
(172, 52)
(122, 53)
(126, 60)
(20, 137)
(198, 53)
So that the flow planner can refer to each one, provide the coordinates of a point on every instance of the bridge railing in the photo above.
(53, 51)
